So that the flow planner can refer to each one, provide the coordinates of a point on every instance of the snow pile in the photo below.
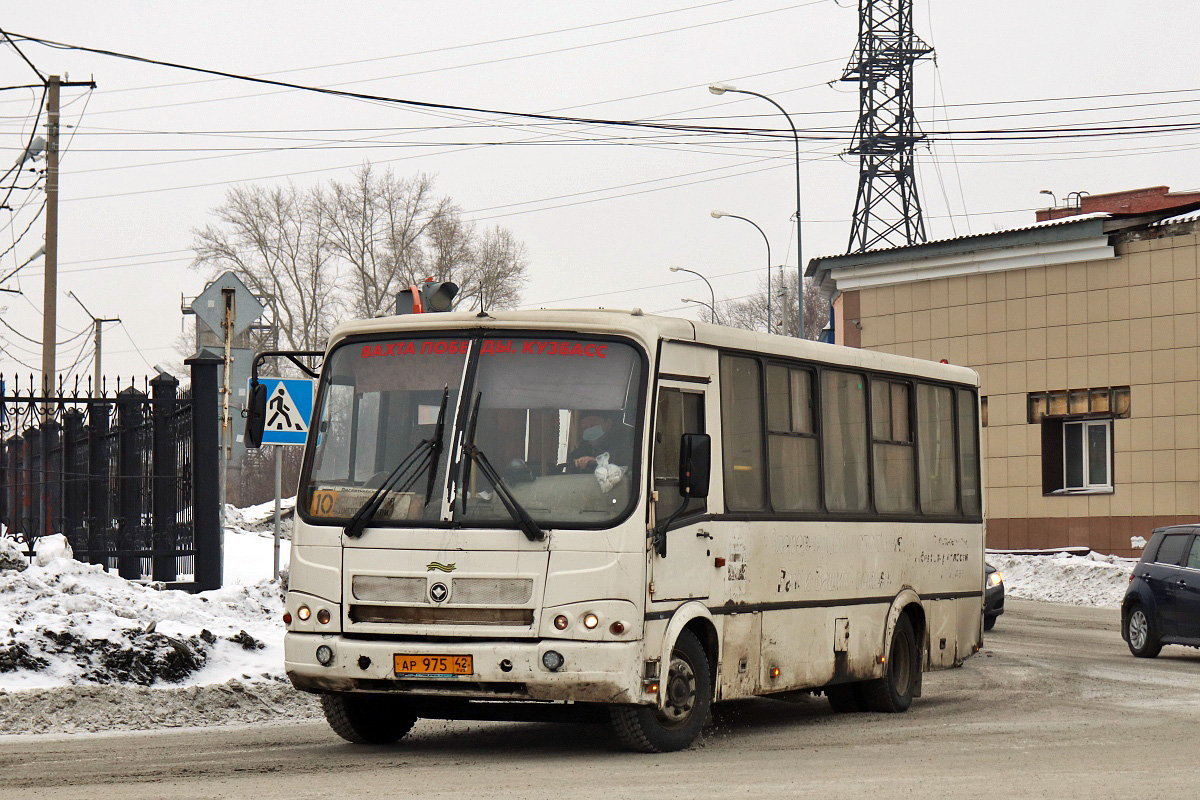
(1091, 580)
(66, 623)
(261, 518)
(47, 549)
(11, 556)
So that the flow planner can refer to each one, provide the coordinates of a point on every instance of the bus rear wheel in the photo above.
(367, 718)
(894, 691)
(687, 699)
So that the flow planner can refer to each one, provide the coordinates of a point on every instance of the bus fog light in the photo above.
(323, 616)
(303, 612)
(553, 660)
(561, 622)
(617, 628)
(590, 621)
(325, 655)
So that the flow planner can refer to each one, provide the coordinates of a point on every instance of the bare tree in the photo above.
(377, 222)
(349, 247)
(750, 313)
(498, 271)
(278, 242)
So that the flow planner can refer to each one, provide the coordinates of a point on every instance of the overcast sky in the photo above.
(603, 211)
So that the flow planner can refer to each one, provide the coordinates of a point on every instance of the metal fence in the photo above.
(123, 475)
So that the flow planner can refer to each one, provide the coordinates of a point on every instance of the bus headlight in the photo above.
(590, 621)
(325, 655)
(561, 622)
(303, 612)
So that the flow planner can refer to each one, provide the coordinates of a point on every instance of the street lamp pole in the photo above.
(718, 215)
(722, 88)
(699, 303)
(713, 307)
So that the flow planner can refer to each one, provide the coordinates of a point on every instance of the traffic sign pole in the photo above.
(288, 418)
(278, 502)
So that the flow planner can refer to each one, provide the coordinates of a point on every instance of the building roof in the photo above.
(1084, 225)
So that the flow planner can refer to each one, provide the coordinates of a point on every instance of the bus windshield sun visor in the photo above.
(424, 457)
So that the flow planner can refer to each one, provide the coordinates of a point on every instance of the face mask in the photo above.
(593, 433)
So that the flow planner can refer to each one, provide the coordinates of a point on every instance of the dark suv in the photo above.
(1162, 605)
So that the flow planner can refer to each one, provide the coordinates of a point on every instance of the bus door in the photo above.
(687, 569)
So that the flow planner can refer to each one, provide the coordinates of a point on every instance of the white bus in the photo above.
(515, 510)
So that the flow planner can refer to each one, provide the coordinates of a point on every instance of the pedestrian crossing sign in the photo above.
(289, 410)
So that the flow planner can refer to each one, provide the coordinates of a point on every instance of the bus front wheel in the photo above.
(367, 719)
(894, 691)
(687, 699)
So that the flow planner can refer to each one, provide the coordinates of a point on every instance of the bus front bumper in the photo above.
(591, 672)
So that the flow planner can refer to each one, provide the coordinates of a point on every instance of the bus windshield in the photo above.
(557, 418)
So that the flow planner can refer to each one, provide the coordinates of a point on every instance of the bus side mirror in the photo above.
(256, 416)
(695, 463)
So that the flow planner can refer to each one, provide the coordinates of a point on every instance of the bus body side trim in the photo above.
(753, 608)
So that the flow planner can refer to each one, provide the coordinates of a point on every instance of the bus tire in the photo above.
(846, 698)
(688, 693)
(894, 691)
(367, 718)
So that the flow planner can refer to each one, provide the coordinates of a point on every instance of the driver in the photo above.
(594, 432)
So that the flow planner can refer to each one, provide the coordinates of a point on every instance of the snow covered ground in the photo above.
(1091, 580)
(84, 650)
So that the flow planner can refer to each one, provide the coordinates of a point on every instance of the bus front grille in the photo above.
(437, 615)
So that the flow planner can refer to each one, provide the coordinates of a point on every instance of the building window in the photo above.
(1077, 456)
(1087, 454)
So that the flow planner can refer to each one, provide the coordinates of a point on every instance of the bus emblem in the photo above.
(432, 565)
(438, 592)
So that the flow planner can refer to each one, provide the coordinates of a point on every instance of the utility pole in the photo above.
(98, 322)
(50, 291)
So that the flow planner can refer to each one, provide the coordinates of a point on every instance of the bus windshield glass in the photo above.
(557, 418)
(559, 421)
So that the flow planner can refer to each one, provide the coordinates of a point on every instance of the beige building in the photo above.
(1084, 332)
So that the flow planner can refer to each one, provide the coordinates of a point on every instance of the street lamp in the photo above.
(712, 307)
(700, 303)
(718, 215)
(722, 88)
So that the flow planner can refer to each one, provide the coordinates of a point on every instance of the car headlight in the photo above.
(995, 579)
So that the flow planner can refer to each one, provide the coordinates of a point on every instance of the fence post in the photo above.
(52, 472)
(99, 517)
(162, 406)
(206, 470)
(72, 483)
(129, 507)
(5, 480)
(37, 487)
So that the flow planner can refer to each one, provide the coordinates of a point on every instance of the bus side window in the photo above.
(792, 440)
(844, 439)
(935, 421)
(968, 451)
(679, 412)
(892, 441)
(742, 434)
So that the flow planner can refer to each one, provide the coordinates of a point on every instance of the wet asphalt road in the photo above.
(1054, 707)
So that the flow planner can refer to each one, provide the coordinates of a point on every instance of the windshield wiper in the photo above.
(511, 504)
(424, 456)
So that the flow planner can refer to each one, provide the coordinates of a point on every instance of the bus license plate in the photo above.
(433, 665)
